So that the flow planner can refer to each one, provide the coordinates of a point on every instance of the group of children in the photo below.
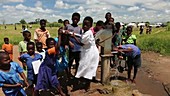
(81, 46)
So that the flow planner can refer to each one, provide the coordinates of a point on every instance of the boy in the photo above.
(74, 47)
(23, 44)
(9, 79)
(133, 54)
(41, 34)
(7, 47)
(130, 38)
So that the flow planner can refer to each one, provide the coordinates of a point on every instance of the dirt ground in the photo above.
(153, 73)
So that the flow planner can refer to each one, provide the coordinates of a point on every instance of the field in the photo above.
(157, 41)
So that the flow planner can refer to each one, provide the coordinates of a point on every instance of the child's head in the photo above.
(75, 18)
(111, 20)
(6, 40)
(66, 22)
(27, 35)
(129, 30)
(43, 23)
(50, 42)
(99, 25)
(87, 23)
(39, 46)
(31, 48)
(108, 16)
(117, 25)
(4, 61)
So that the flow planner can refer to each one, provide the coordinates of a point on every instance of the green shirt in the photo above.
(23, 46)
(131, 39)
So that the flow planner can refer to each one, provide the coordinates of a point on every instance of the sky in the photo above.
(12, 11)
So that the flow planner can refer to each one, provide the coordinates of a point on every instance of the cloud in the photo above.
(7, 1)
(38, 4)
(61, 5)
(134, 8)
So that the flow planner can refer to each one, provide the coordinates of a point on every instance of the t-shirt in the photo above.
(41, 36)
(23, 46)
(136, 50)
(11, 77)
(8, 48)
(28, 59)
(131, 39)
(77, 30)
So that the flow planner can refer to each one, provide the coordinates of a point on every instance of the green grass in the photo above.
(15, 36)
(157, 41)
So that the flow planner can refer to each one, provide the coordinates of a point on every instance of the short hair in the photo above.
(108, 13)
(89, 19)
(100, 23)
(76, 14)
(30, 43)
(43, 20)
(2, 53)
(6, 38)
(48, 40)
(129, 28)
(25, 32)
(117, 24)
(39, 43)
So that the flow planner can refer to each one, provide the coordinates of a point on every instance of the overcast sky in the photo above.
(12, 11)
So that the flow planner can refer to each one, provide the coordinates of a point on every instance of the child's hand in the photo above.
(27, 84)
(18, 85)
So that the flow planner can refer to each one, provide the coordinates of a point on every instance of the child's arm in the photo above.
(24, 78)
(78, 40)
(12, 85)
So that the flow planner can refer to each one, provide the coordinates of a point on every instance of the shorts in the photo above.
(136, 62)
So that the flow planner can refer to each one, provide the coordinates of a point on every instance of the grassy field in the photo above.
(157, 41)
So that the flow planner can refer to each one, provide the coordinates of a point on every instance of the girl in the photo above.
(9, 79)
(29, 58)
(47, 77)
(89, 57)
(7, 47)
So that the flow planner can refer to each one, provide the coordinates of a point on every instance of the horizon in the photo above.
(12, 11)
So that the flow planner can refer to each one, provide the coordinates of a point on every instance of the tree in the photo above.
(22, 21)
(37, 20)
(60, 21)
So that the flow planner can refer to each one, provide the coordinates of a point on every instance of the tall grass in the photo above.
(157, 41)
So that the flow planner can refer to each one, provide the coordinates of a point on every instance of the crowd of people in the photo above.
(44, 57)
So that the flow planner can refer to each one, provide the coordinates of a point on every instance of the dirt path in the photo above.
(154, 72)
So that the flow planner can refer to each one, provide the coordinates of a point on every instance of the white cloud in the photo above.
(7, 1)
(38, 4)
(21, 6)
(61, 5)
(134, 8)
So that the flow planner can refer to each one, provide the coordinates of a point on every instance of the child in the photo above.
(7, 47)
(74, 47)
(41, 34)
(99, 26)
(133, 54)
(23, 44)
(89, 54)
(9, 79)
(130, 38)
(47, 77)
(29, 58)
(40, 49)
(65, 23)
